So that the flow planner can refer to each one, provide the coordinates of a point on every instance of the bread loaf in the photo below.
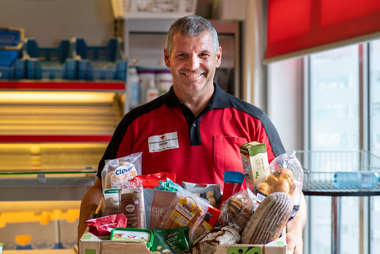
(208, 242)
(269, 219)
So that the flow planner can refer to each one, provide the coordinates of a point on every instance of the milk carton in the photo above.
(255, 160)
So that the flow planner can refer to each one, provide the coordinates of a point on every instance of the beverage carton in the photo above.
(255, 160)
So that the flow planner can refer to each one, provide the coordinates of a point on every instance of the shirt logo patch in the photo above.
(163, 142)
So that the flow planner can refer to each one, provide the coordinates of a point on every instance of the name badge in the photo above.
(163, 142)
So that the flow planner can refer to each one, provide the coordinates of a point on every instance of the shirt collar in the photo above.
(218, 100)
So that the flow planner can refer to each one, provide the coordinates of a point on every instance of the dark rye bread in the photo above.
(269, 219)
(208, 242)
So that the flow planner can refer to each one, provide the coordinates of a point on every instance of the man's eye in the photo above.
(203, 55)
(181, 55)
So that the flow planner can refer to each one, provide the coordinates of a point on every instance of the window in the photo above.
(374, 138)
(336, 109)
(334, 126)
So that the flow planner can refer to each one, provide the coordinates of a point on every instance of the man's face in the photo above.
(193, 63)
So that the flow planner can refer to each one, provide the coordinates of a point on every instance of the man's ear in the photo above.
(218, 57)
(166, 58)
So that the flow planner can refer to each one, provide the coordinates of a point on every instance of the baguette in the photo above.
(269, 219)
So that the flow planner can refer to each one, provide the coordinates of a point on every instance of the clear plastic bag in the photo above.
(284, 174)
(237, 210)
(118, 171)
(187, 209)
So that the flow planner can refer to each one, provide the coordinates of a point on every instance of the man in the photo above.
(195, 129)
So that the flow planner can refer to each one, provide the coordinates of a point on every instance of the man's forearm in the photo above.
(297, 224)
(89, 203)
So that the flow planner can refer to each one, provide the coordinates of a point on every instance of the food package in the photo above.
(208, 222)
(211, 192)
(187, 210)
(120, 170)
(237, 210)
(104, 225)
(284, 174)
(254, 158)
(157, 204)
(151, 181)
(132, 204)
(133, 235)
(174, 240)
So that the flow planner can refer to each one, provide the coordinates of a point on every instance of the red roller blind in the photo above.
(296, 25)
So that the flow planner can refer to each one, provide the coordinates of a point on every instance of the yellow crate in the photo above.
(27, 230)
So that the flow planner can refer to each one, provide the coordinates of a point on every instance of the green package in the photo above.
(174, 239)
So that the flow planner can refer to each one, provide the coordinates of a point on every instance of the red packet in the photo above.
(104, 225)
(152, 180)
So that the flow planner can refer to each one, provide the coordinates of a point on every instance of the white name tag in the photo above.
(163, 142)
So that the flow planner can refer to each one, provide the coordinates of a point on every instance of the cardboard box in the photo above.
(254, 159)
(91, 244)
(27, 230)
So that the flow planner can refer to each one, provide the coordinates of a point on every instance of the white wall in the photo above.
(285, 101)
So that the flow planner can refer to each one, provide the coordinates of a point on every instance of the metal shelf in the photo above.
(327, 188)
(320, 167)
(43, 185)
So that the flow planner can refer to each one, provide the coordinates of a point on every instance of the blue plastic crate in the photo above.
(51, 63)
(12, 65)
(7, 57)
(11, 41)
(11, 37)
(101, 62)
(16, 71)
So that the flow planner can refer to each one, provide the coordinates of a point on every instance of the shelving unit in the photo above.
(319, 169)
(53, 134)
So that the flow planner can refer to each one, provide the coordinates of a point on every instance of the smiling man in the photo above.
(195, 129)
(193, 61)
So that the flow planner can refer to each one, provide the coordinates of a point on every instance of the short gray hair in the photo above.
(191, 26)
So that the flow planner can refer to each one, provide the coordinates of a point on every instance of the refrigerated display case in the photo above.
(53, 134)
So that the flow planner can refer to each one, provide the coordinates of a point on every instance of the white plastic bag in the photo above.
(118, 171)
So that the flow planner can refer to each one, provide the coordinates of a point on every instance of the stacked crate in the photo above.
(12, 64)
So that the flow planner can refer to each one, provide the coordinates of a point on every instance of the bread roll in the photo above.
(282, 186)
(264, 188)
(269, 219)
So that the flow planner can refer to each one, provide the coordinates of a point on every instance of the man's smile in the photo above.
(194, 75)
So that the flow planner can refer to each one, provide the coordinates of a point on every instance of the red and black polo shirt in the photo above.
(198, 150)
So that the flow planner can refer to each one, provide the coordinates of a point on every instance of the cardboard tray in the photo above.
(90, 243)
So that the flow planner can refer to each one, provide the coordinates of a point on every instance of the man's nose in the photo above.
(193, 62)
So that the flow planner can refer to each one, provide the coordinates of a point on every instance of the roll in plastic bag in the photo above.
(284, 174)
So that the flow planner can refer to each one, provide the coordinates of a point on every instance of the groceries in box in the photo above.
(190, 218)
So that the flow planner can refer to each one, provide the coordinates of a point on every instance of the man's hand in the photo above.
(89, 203)
(294, 228)
(294, 243)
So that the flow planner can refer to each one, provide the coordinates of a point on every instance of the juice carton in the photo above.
(255, 160)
